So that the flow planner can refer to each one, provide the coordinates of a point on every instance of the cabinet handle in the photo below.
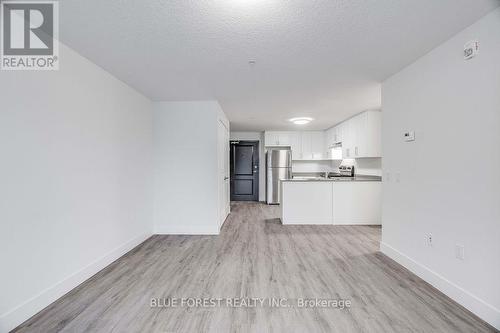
(356, 151)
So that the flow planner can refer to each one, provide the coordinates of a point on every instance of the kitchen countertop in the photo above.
(357, 178)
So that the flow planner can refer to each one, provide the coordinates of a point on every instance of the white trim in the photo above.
(305, 221)
(480, 308)
(27, 309)
(187, 231)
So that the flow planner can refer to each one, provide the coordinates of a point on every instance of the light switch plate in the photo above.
(460, 252)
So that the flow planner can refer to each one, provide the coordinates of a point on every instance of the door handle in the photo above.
(226, 178)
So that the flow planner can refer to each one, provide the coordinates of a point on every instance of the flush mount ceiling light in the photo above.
(301, 120)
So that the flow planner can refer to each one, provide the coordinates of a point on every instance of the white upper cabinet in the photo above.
(318, 145)
(296, 145)
(331, 137)
(313, 145)
(365, 135)
(278, 138)
(285, 139)
(361, 137)
(306, 146)
(347, 138)
(271, 139)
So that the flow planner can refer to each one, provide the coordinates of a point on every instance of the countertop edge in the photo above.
(359, 178)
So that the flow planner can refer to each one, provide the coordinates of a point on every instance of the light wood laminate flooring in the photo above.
(256, 256)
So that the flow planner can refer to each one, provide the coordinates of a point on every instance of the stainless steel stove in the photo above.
(346, 171)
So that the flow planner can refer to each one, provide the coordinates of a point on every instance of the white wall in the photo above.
(368, 166)
(256, 136)
(185, 162)
(449, 177)
(75, 166)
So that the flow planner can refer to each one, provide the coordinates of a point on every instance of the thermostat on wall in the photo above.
(409, 136)
(471, 49)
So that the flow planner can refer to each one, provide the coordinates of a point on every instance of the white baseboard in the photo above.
(187, 232)
(32, 306)
(480, 308)
(305, 222)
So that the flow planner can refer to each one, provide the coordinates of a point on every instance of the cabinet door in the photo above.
(329, 140)
(357, 203)
(223, 170)
(367, 133)
(306, 203)
(271, 139)
(331, 137)
(346, 140)
(318, 145)
(358, 133)
(338, 133)
(372, 145)
(307, 153)
(296, 145)
(284, 138)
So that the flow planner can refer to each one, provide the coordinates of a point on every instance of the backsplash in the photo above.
(313, 166)
(366, 166)
(362, 166)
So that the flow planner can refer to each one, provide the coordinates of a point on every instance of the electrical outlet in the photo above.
(460, 252)
(398, 177)
(471, 49)
(409, 136)
(429, 240)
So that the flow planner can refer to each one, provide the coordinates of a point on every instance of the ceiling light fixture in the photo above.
(301, 120)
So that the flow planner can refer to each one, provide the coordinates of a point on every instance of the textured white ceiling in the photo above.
(323, 59)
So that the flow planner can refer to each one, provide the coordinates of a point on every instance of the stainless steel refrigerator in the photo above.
(279, 166)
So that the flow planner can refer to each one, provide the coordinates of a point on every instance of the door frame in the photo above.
(256, 175)
(223, 151)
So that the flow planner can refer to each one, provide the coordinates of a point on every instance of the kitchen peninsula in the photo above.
(338, 200)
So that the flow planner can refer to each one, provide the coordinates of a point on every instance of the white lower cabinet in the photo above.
(317, 202)
(357, 203)
(306, 203)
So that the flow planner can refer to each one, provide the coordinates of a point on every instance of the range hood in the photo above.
(336, 145)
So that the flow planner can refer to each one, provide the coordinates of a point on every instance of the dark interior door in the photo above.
(244, 170)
